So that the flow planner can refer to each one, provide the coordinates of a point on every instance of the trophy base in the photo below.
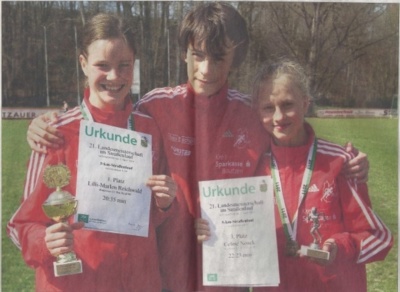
(314, 253)
(69, 268)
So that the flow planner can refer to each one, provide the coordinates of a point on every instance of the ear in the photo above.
(83, 61)
(306, 103)
(184, 56)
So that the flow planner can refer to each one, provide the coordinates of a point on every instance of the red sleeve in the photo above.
(367, 238)
(159, 216)
(146, 124)
(27, 226)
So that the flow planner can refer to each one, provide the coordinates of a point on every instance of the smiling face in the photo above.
(108, 67)
(206, 74)
(282, 108)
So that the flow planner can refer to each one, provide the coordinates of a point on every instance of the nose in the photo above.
(205, 66)
(278, 114)
(112, 74)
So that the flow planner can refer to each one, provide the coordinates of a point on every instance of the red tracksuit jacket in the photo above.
(111, 262)
(204, 138)
(360, 235)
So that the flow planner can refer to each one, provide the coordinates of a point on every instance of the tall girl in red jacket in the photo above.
(111, 262)
(315, 202)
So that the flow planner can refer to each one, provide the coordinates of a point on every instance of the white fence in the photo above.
(356, 113)
(31, 113)
(24, 113)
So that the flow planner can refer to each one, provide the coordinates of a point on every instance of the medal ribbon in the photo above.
(88, 116)
(290, 228)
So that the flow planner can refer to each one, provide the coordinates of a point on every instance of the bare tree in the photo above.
(331, 39)
(349, 49)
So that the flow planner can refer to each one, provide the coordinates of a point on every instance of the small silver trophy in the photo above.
(59, 206)
(314, 250)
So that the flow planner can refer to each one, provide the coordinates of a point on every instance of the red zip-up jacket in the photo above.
(348, 218)
(111, 262)
(204, 138)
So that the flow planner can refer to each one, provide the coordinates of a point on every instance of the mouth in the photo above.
(205, 81)
(112, 88)
(281, 127)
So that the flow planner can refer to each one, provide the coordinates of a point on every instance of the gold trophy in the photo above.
(59, 206)
(314, 250)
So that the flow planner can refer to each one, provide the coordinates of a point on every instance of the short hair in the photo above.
(213, 23)
(273, 70)
(104, 26)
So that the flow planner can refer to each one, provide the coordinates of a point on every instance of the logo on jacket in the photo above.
(242, 139)
(228, 134)
(328, 192)
(313, 189)
(180, 152)
(181, 139)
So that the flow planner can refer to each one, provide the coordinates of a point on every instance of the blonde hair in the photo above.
(273, 70)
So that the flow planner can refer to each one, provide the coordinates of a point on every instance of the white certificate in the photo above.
(242, 249)
(113, 167)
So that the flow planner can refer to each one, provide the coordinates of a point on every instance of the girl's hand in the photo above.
(164, 189)
(202, 229)
(59, 237)
(329, 246)
(41, 134)
(358, 167)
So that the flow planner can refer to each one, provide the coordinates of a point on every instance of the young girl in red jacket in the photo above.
(315, 202)
(110, 262)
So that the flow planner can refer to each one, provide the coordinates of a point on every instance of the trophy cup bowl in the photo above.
(59, 206)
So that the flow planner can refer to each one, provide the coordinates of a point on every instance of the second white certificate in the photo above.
(113, 167)
(242, 249)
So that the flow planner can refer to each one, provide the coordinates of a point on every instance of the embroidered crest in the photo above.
(328, 192)
(241, 139)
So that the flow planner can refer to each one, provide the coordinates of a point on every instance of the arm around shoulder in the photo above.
(40, 133)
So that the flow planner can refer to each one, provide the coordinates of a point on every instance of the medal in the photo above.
(290, 227)
(88, 116)
(291, 248)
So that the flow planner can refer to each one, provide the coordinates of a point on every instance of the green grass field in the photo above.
(377, 137)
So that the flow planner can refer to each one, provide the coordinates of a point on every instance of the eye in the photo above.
(268, 108)
(287, 104)
(101, 66)
(219, 58)
(125, 65)
(198, 55)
